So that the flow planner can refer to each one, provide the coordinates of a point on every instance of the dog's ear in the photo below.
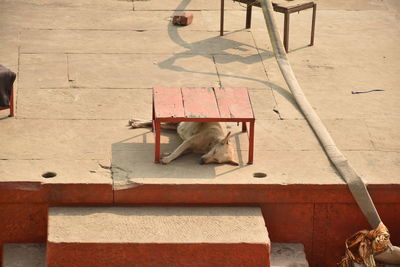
(226, 139)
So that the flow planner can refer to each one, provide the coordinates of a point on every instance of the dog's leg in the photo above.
(184, 147)
(140, 123)
(136, 123)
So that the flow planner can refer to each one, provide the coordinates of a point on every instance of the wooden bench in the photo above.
(285, 7)
(178, 104)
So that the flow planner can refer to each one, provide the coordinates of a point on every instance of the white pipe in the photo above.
(354, 181)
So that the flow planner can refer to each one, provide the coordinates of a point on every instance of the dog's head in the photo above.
(221, 152)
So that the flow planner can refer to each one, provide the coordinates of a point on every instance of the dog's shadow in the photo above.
(133, 159)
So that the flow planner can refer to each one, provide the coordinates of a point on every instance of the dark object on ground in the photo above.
(364, 92)
(182, 19)
(7, 78)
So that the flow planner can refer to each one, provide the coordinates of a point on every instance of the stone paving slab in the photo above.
(174, 40)
(67, 171)
(61, 139)
(9, 51)
(377, 45)
(394, 7)
(364, 77)
(350, 134)
(297, 135)
(101, 104)
(183, 5)
(143, 140)
(84, 104)
(377, 105)
(234, 20)
(385, 134)
(114, 5)
(363, 106)
(286, 105)
(376, 167)
(264, 103)
(92, 19)
(238, 44)
(141, 71)
(351, 5)
(252, 73)
(300, 22)
(278, 135)
(43, 71)
(281, 167)
(272, 135)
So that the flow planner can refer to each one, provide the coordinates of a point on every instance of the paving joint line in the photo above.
(216, 70)
(268, 78)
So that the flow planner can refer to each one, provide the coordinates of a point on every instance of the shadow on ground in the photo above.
(133, 158)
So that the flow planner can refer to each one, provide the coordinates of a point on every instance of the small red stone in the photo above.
(182, 19)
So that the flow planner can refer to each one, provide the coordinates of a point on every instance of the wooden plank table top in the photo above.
(178, 104)
(199, 104)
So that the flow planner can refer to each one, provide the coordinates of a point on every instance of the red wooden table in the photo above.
(177, 104)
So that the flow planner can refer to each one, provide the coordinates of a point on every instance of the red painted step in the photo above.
(282, 255)
(157, 236)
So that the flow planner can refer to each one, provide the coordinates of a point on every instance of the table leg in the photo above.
(248, 16)
(313, 24)
(251, 143)
(157, 125)
(244, 127)
(221, 31)
(153, 117)
(286, 32)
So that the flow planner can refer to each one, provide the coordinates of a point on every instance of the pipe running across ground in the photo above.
(354, 181)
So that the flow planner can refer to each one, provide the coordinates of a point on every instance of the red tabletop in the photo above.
(221, 104)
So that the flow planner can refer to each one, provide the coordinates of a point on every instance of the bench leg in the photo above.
(157, 125)
(313, 24)
(248, 16)
(251, 143)
(286, 32)
(12, 103)
(244, 127)
(153, 117)
(221, 25)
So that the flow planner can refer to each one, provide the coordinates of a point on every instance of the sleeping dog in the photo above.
(207, 138)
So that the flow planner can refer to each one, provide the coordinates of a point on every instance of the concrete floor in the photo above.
(86, 67)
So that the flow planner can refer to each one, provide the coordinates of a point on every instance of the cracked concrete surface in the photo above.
(86, 67)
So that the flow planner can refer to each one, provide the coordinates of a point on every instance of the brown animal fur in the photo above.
(207, 138)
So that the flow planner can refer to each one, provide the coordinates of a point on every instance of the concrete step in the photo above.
(282, 255)
(288, 255)
(24, 255)
(157, 236)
